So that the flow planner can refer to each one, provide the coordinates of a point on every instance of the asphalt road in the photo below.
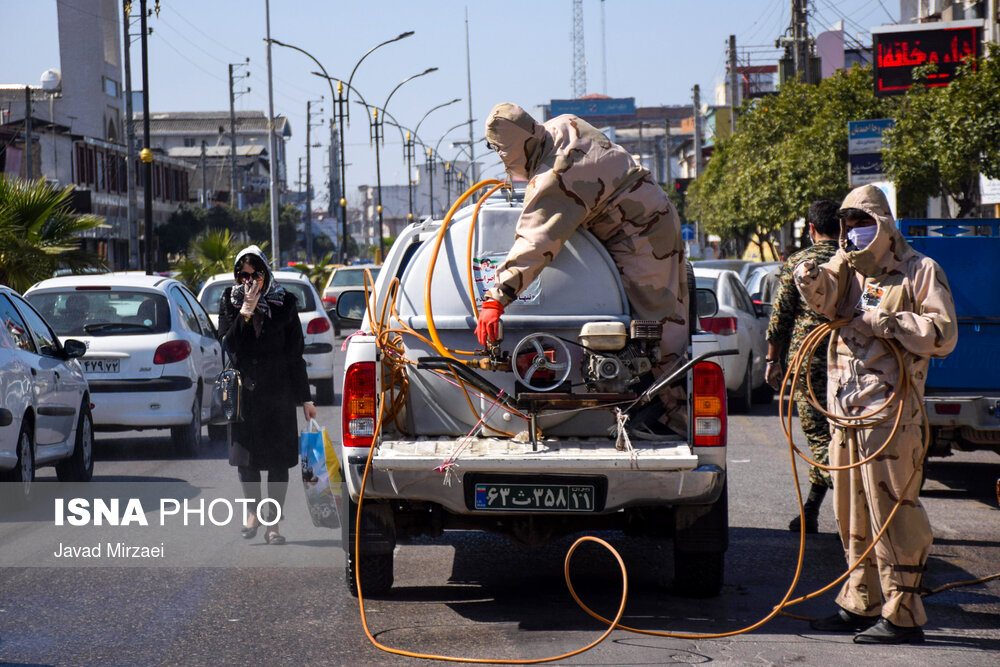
(213, 598)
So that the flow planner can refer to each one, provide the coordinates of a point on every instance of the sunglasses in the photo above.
(244, 277)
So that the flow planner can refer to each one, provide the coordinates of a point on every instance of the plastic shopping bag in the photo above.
(321, 476)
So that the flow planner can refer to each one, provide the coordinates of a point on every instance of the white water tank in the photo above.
(51, 80)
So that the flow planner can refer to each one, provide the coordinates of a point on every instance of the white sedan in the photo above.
(740, 325)
(316, 329)
(44, 400)
(152, 351)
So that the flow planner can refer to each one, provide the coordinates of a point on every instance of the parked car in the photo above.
(742, 267)
(319, 338)
(44, 400)
(344, 278)
(762, 283)
(740, 325)
(152, 353)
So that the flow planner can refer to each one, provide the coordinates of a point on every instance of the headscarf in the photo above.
(271, 293)
(520, 141)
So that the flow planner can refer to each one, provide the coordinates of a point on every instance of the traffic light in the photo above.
(681, 184)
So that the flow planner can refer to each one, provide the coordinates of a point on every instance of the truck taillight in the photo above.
(329, 302)
(358, 412)
(318, 325)
(723, 326)
(709, 405)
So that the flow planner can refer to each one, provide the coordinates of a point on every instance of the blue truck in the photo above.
(963, 390)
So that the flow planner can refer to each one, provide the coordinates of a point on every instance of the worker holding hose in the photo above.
(890, 292)
(790, 324)
(578, 178)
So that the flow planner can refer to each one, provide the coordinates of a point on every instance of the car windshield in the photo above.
(103, 312)
(303, 295)
(351, 277)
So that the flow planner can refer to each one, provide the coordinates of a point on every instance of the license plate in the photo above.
(101, 365)
(535, 497)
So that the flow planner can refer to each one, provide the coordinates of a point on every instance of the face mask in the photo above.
(862, 236)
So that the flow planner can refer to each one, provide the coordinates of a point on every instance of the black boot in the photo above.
(811, 509)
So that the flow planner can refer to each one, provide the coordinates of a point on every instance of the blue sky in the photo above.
(656, 50)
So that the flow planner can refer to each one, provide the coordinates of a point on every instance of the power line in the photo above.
(210, 37)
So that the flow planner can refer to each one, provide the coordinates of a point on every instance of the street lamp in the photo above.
(342, 110)
(402, 35)
(431, 153)
(376, 135)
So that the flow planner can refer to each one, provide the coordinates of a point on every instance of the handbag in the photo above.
(227, 396)
(321, 477)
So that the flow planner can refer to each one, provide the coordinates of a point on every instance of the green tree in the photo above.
(945, 137)
(789, 150)
(39, 234)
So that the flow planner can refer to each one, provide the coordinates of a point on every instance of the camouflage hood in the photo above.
(888, 248)
(519, 140)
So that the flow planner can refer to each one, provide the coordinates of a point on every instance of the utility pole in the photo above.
(234, 186)
(468, 74)
(272, 149)
(640, 143)
(697, 130)
(130, 171)
(309, 217)
(408, 154)
(334, 178)
(800, 35)
(430, 178)
(204, 177)
(579, 54)
(604, 54)
(147, 154)
(734, 90)
(29, 170)
(669, 178)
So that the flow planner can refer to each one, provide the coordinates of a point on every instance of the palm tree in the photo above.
(211, 252)
(317, 273)
(39, 233)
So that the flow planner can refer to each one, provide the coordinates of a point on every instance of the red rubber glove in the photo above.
(488, 328)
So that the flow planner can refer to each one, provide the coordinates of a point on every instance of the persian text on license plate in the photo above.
(101, 365)
(535, 497)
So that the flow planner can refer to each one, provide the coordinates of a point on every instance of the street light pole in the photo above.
(272, 149)
(146, 155)
(350, 79)
(378, 169)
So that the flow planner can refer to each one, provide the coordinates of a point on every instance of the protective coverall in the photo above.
(892, 292)
(578, 178)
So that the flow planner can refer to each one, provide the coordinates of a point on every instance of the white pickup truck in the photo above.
(525, 443)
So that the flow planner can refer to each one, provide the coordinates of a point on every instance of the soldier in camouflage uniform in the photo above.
(891, 292)
(791, 321)
(578, 178)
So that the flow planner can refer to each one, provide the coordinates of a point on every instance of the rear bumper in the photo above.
(667, 474)
(319, 359)
(153, 403)
(974, 424)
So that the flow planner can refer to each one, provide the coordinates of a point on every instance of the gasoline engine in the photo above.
(612, 361)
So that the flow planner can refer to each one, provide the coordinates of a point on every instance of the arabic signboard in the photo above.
(989, 190)
(865, 136)
(623, 106)
(898, 50)
(865, 169)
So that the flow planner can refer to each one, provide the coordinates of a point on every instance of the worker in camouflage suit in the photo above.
(578, 178)
(890, 292)
(791, 321)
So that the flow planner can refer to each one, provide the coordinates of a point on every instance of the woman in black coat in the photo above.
(259, 327)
